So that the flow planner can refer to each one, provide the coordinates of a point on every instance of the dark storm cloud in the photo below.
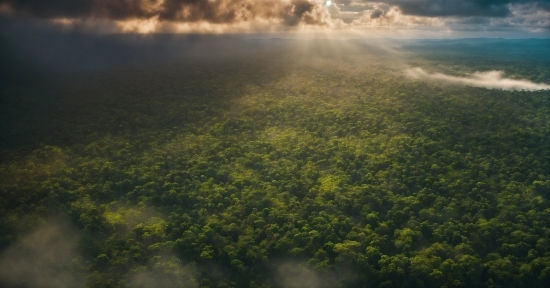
(221, 16)
(116, 9)
(212, 11)
(488, 8)
(229, 11)
(433, 8)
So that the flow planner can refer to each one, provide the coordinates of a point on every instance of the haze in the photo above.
(275, 143)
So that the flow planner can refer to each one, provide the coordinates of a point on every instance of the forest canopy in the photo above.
(274, 163)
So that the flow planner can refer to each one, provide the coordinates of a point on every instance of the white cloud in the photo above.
(490, 79)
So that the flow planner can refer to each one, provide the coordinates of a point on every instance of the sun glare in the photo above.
(328, 3)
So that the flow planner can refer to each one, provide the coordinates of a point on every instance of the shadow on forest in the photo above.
(63, 88)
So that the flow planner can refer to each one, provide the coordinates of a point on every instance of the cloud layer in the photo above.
(261, 15)
(490, 79)
(289, 12)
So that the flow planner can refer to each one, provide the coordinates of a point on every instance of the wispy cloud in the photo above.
(292, 274)
(489, 79)
(162, 271)
(48, 257)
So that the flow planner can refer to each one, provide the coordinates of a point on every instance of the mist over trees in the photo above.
(276, 163)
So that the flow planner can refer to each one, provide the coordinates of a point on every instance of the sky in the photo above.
(361, 18)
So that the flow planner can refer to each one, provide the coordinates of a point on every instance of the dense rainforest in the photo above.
(275, 163)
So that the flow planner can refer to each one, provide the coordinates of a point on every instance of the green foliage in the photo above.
(351, 170)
